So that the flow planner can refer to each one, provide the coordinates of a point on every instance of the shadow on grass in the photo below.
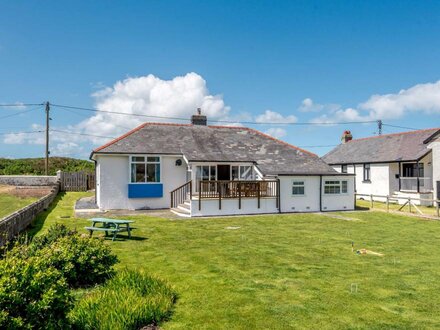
(124, 238)
(362, 208)
(39, 221)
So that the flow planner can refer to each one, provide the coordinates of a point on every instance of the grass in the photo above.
(426, 210)
(9, 203)
(286, 271)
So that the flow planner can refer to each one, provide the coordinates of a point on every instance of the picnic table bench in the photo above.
(113, 226)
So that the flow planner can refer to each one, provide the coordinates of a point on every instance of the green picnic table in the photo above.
(108, 225)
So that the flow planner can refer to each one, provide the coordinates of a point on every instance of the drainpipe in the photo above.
(400, 175)
(96, 182)
(320, 193)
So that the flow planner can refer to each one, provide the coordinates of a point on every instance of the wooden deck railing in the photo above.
(238, 189)
(180, 194)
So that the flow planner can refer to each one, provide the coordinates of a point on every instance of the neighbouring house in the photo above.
(401, 165)
(201, 170)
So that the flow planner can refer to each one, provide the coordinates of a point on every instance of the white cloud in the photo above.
(150, 95)
(274, 117)
(276, 132)
(145, 95)
(308, 105)
(422, 98)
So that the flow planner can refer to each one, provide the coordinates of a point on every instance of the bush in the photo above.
(32, 296)
(130, 300)
(81, 260)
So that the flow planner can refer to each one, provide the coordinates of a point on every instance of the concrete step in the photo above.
(184, 207)
(181, 213)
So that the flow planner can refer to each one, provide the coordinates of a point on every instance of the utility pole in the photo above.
(379, 127)
(47, 138)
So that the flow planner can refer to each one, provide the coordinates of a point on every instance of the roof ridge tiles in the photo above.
(394, 134)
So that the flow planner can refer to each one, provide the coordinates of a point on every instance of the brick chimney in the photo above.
(199, 119)
(346, 137)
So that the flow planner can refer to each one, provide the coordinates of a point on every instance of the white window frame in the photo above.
(239, 168)
(303, 185)
(146, 162)
(336, 184)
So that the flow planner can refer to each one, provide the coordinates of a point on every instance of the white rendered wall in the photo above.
(210, 207)
(339, 202)
(435, 146)
(294, 203)
(114, 178)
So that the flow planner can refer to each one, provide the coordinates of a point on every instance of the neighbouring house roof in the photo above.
(406, 146)
(218, 144)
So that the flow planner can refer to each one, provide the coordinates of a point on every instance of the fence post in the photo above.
(239, 195)
(388, 203)
(371, 201)
(409, 204)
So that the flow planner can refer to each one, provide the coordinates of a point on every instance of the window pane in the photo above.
(137, 172)
(234, 172)
(213, 168)
(297, 190)
(246, 172)
(298, 183)
(153, 159)
(344, 187)
(138, 159)
(205, 172)
(153, 173)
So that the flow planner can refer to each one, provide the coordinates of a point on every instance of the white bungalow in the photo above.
(200, 170)
(403, 164)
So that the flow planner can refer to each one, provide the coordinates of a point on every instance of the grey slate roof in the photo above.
(407, 146)
(218, 144)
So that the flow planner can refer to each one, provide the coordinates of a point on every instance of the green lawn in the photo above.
(286, 271)
(10, 203)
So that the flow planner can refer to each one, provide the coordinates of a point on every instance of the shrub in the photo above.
(81, 260)
(130, 300)
(32, 296)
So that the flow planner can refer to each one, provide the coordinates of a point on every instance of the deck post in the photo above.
(190, 190)
(239, 195)
(418, 177)
(388, 203)
(200, 195)
(258, 193)
(219, 188)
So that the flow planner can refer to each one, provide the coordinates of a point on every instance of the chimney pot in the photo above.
(346, 136)
(199, 119)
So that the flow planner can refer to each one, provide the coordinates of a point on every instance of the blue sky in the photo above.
(266, 61)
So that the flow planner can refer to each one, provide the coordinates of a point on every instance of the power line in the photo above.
(20, 105)
(322, 146)
(84, 134)
(403, 127)
(28, 132)
(215, 121)
(17, 113)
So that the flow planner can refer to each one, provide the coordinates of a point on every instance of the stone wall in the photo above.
(28, 180)
(18, 221)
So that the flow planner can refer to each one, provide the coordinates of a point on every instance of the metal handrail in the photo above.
(179, 195)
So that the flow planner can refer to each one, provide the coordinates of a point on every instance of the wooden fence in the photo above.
(406, 201)
(76, 181)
